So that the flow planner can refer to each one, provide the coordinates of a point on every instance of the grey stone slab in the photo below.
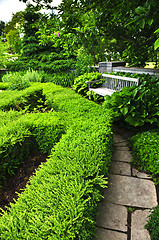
(104, 234)
(137, 173)
(130, 191)
(120, 168)
(121, 144)
(139, 220)
(112, 216)
(119, 139)
(121, 148)
(122, 155)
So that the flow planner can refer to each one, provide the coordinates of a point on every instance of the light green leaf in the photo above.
(156, 44)
(150, 21)
(157, 31)
(140, 10)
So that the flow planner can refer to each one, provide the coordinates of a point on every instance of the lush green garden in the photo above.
(45, 107)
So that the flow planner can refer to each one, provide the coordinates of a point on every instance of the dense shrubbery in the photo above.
(16, 81)
(19, 134)
(146, 152)
(61, 200)
(63, 79)
(137, 106)
(80, 84)
(20, 99)
(3, 86)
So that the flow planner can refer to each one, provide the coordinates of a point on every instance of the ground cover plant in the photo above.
(61, 199)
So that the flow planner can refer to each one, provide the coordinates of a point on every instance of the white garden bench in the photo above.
(112, 84)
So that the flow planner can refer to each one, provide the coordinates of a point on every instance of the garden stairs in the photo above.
(128, 199)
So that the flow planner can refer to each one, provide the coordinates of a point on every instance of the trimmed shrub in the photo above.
(20, 99)
(3, 86)
(30, 132)
(61, 200)
(145, 152)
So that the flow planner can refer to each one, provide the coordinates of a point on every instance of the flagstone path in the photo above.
(128, 199)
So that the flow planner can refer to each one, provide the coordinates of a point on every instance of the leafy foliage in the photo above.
(16, 81)
(84, 61)
(153, 223)
(145, 152)
(32, 76)
(18, 100)
(65, 79)
(137, 106)
(80, 84)
(50, 57)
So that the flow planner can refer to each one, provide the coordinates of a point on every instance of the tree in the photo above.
(3, 54)
(16, 22)
(109, 21)
(112, 19)
(50, 57)
(2, 26)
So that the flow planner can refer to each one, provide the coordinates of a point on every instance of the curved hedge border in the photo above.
(61, 200)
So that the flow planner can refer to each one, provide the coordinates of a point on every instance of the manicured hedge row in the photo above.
(30, 132)
(145, 152)
(61, 200)
(19, 99)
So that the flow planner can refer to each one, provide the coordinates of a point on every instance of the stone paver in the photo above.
(104, 234)
(112, 216)
(119, 139)
(130, 191)
(139, 219)
(120, 168)
(127, 187)
(138, 174)
(122, 155)
(121, 148)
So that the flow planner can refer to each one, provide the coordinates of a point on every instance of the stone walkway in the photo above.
(127, 200)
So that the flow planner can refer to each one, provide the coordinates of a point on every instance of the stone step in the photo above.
(139, 220)
(120, 168)
(105, 234)
(112, 216)
(131, 191)
(122, 156)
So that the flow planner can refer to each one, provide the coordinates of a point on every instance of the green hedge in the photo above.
(145, 152)
(20, 137)
(3, 86)
(61, 200)
(19, 99)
